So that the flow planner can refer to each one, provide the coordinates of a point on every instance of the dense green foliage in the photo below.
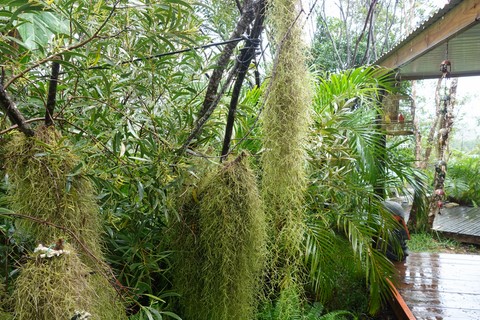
(123, 122)
(347, 162)
(462, 185)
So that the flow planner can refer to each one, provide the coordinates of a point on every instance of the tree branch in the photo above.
(211, 95)
(367, 19)
(202, 120)
(52, 93)
(434, 125)
(323, 20)
(245, 58)
(13, 113)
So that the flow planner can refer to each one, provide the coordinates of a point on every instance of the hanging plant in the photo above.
(45, 182)
(285, 121)
(57, 206)
(220, 245)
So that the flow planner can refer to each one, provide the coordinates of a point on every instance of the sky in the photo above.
(467, 110)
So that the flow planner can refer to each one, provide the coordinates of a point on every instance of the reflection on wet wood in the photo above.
(461, 223)
(441, 286)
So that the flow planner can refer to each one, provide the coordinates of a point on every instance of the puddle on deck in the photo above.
(441, 286)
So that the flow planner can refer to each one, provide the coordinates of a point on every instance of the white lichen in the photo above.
(49, 252)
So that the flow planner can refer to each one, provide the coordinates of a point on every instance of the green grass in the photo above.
(426, 242)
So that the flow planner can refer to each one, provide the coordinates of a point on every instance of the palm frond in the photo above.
(346, 157)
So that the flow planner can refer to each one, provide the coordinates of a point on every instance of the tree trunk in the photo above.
(13, 113)
(52, 93)
(446, 121)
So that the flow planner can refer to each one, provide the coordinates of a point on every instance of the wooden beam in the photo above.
(465, 238)
(400, 308)
(462, 16)
(471, 73)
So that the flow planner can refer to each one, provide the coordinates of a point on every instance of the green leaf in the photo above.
(171, 314)
(140, 191)
(6, 211)
(153, 297)
(37, 28)
(77, 169)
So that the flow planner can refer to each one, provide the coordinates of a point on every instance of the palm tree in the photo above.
(347, 159)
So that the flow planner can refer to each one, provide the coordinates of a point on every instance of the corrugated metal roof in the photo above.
(434, 17)
(463, 51)
(461, 47)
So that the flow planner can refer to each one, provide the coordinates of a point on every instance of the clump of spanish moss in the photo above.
(52, 288)
(56, 203)
(285, 123)
(56, 287)
(43, 185)
(106, 302)
(220, 242)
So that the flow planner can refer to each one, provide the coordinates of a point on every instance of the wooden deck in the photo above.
(460, 223)
(440, 286)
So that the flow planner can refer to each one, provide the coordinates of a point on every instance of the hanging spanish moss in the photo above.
(57, 286)
(285, 122)
(52, 288)
(47, 188)
(43, 185)
(221, 244)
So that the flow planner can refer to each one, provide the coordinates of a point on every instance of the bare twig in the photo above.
(367, 20)
(330, 37)
(434, 126)
(15, 126)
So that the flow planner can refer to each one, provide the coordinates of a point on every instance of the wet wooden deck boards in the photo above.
(462, 223)
(441, 286)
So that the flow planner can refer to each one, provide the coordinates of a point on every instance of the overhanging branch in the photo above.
(13, 113)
